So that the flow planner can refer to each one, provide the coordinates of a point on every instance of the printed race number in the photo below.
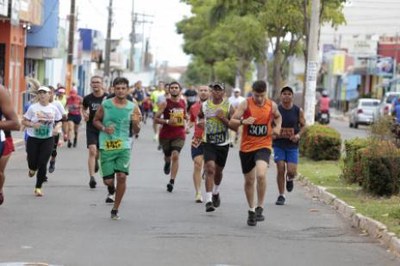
(216, 138)
(42, 131)
(257, 130)
(113, 144)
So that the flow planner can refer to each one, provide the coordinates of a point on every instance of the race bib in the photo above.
(257, 130)
(216, 138)
(113, 144)
(179, 116)
(286, 133)
(43, 131)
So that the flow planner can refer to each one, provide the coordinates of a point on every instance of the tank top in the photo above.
(174, 110)
(215, 131)
(290, 127)
(119, 118)
(259, 134)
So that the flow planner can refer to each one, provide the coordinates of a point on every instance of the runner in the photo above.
(256, 114)
(74, 103)
(214, 115)
(286, 145)
(42, 120)
(113, 119)
(173, 133)
(197, 146)
(91, 102)
(6, 144)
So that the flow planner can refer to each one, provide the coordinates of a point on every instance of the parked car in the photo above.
(385, 107)
(363, 112)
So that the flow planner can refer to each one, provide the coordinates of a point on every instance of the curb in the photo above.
(369, 226)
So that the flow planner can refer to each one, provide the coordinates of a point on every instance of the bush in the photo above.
(320, 142)
(352, 169)
(380, 165)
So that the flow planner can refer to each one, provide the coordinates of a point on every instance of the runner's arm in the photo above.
(157, 117)
(136, 118)
(236, 120)
(276, 129)
(11, 122)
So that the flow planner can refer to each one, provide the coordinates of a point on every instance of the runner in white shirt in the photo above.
(235, 100)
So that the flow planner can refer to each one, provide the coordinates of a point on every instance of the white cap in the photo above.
(236, 90)
(43, 88)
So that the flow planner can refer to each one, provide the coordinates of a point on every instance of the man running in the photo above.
(74, 103)
(197, 147)
(256, 114)
(10, 123)
(172, 134)
(286, 145)
(92, 102)
(214, 115)
(113, 119)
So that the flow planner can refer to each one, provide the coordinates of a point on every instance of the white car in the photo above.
(363, 112)
(385, 106)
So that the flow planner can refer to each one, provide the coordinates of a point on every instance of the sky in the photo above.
(165, 43)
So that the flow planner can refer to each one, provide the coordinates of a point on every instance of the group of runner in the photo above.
(112, 120)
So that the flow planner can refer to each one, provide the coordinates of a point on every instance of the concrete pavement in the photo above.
(70, 225)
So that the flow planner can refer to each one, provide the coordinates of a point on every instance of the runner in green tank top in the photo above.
(113, 119)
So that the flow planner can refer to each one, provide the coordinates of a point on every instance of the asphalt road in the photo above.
(71, 224)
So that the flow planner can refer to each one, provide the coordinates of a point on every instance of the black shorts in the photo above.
(248, 159)
(92, 136)
(75, 118)
(215, 153)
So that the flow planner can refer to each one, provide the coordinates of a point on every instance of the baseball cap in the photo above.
(43, 88)
(216, 85)
(236, 90)
(287, 88)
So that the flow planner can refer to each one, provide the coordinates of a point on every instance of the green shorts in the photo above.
(115, 161)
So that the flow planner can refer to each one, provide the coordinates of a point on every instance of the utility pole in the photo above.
(133, 40)
(108, 45)
(70, 56)
(312, 64)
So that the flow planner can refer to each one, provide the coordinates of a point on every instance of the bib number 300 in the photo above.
(257, 130)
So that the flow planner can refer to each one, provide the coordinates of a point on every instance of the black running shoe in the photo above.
(216, 200)
(167, 168)
(210, 207)
(110, 198)
(92, 182)
(170, 187)
(281, 200)
(96, 166)
(289, 185)
(259, 216)
(75, 142)
(69, 145)
(114, 214)
(251, 219)
(52, 166)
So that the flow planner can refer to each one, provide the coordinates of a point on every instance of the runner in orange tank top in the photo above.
(256, 114)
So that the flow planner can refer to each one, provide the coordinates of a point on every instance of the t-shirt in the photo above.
(290, 127)
(235, 101)
(46, 115)
(174, 110)
(215, 131)
(119, 118)
(92, 102)
(74, 105)
(259, 134)
(194, 111)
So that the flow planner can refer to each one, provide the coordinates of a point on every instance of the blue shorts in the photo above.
(289, 155)
(196, 151)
